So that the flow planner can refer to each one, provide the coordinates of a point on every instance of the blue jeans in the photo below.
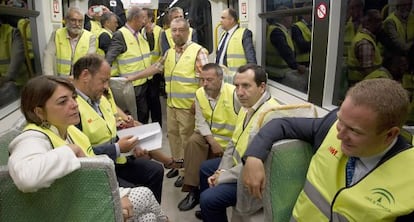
(215, 200)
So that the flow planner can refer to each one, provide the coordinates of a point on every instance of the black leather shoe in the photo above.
(198, 214)
(190, 201)
(179, 182)
(172, 173)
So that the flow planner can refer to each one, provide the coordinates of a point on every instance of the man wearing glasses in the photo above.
(66, 45)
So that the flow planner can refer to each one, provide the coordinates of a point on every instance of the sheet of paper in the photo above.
(142, 131)
(149, 135)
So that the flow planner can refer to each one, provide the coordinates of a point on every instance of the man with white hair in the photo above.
(66, 45)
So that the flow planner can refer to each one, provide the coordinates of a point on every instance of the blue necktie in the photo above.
(350, 169)
(221, 48)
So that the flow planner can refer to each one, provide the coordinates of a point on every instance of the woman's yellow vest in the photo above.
(235, 54)
(170, 40)
(74, 133)
(303, 57)
(222, 119)
(373, 198)
(64, 56)
(5, 43)
(406, 32)
(241, 134)
(354, 66)
(136, 58)
(181, 82)
(100, 130)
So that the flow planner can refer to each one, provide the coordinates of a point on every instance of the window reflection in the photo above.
(16, 57)
(288, 45)
(378, 43)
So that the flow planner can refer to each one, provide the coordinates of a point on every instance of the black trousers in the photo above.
(141, 172)
(142, 103)
(153, 99)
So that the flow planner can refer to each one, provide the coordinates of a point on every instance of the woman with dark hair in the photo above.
(50, 146)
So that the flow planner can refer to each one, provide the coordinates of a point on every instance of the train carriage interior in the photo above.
(319, 71)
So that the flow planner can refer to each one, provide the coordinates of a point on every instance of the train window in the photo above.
(378, 41)
(288, 42)
(17, 60)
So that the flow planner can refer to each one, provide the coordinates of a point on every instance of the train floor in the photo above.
(172, 195)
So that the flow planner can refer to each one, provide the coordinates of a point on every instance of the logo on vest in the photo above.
(381, 198)
(333, 150)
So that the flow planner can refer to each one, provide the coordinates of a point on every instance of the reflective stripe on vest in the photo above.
(222, 119)
(235, 54)
(181, 82)
(354, 66)
(64, 57)
(74, 133)
(6, 31)
(100, 130)
(241, 134)
(371, 198)
(136, 58)
(306, 34)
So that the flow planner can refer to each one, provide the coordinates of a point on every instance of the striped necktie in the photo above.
(221, 47)
(350, 169)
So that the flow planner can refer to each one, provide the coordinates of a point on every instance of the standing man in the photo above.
(181, 66)
(91, 79)
(399, 30)
(66, 45)
(280, 53)
(130, 53)
(218, 177)
(359, 170)
(166, 37)
(109, 24)
(236, 44)
(152, 33)
(216, 111)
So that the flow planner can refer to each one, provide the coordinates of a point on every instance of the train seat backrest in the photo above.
(285, 168)
(87, 194)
